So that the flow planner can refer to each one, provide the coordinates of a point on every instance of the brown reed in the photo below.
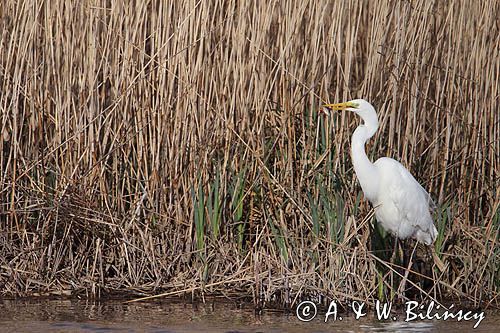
(175, 146)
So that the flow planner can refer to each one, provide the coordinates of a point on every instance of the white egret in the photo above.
(401, 204)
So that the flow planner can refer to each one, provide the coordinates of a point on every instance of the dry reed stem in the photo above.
(114, 114)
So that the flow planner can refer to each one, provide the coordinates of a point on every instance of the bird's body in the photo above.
(401, 204)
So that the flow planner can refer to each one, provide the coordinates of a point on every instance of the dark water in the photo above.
(42, 315)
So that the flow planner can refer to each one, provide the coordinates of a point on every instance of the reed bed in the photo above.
(176, 147)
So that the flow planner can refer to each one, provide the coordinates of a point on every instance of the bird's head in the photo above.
(359, 106)
(356, 105)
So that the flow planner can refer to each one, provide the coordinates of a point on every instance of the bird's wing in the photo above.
(407, 195)
(413, 200)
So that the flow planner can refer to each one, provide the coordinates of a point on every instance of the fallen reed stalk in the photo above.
(166, 146)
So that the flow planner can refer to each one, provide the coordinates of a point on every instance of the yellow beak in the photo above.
(341, 106)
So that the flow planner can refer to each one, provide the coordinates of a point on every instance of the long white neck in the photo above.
(365, 170)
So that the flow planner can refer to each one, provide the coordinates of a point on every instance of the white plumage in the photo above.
(401, 205)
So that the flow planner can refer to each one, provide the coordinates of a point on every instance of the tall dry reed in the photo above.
(176, 145)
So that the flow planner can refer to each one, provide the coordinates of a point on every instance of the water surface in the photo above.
(42, 315)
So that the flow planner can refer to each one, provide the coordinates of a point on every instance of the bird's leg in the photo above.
(395, 251)
(402, 252)
(393, 258)
(402, 285)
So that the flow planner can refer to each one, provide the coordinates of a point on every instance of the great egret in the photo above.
(401, 204)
